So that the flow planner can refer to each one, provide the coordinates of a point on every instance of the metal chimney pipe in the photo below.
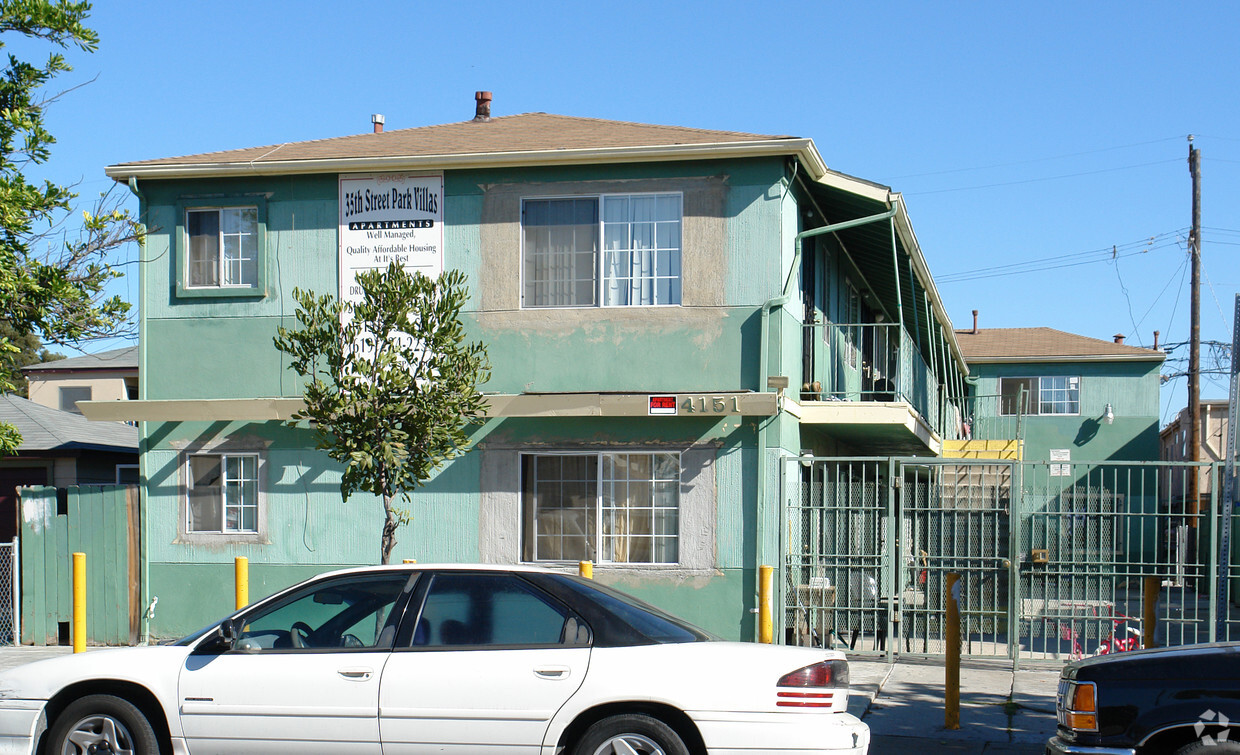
(377, 119)
(1156, 340)
(975, 322)
(482, 111)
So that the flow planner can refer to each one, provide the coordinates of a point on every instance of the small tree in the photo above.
(393, 382)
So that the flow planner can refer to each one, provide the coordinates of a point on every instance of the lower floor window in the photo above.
(222, 492)
(602, 507)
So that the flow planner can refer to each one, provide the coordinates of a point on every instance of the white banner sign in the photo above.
(390, 217)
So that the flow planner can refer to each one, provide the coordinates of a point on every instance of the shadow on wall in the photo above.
(1087, 432)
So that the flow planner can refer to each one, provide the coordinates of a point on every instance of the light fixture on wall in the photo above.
(1108, 416)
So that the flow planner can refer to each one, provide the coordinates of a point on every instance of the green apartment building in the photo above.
(668, 312)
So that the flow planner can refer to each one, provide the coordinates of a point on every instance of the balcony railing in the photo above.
(996, 417)
(875, 362)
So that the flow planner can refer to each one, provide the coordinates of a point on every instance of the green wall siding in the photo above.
(200, 348)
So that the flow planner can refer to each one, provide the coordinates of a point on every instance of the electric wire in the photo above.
(1033, 160)
(1003, 270)
(1041, 179)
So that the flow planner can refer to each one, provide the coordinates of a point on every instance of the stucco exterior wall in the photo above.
(737, 229)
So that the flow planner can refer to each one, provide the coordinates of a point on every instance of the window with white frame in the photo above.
(221, 493)
(637, 263)
(1052, 394)
(223, 247)
(601, 507)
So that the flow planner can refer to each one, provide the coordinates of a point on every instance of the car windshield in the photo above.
(642, 617)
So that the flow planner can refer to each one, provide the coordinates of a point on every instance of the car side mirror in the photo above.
(221, 639)
(228, 632)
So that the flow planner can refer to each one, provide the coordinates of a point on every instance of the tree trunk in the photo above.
(389, 529)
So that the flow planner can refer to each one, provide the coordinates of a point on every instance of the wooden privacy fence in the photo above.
(100, 521)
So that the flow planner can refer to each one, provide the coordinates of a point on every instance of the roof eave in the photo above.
(802, 148)
(1069, 358)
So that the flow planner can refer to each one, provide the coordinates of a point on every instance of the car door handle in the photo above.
(552, 672)
(356, 674)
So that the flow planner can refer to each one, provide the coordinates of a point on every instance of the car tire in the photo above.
(99, 720)
(1201, 746)
(636, 732)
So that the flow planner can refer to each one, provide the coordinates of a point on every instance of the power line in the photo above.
(1001, 271)
(1038, 159)
(1039, 180)
(1107, 250)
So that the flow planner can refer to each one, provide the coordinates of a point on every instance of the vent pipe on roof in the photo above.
(377, 119)
(1156, 340)
(1119, 337)
(482, 111)
(975, 322)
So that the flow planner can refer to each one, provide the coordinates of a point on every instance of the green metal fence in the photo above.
(1051, 556)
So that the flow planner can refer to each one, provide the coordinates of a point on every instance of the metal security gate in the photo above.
(1052, 557)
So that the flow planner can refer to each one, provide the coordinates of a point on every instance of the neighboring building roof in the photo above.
(530, 138)
(47, 429)
(116, 359)
(993, 345)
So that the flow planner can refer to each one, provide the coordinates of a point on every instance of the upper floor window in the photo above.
(1056, 394)
(637, 263)
(220, 247)
(69, 396)
(606, 507)
(223, 247)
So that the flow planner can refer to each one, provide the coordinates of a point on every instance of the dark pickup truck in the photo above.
(1166, 701)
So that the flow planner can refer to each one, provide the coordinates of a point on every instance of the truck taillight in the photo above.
(825, 675)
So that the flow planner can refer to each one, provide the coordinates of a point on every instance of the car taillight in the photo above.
(1079, 706)
(825, 675)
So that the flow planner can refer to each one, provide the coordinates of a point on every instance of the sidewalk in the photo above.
(1000, 711)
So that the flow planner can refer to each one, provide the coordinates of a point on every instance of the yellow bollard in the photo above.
(1149, 609)
(951, 712)
(586, 569)
(79, 602)
(241, 568)
(766, 633)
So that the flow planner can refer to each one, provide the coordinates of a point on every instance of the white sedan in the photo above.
(405, 660)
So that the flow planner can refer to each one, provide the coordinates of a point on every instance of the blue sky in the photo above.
(1035, 134)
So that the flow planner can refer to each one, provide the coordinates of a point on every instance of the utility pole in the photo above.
(1194, 353)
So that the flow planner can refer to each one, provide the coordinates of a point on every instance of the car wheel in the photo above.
(1211, 746)
(629, 734)
(102, 724)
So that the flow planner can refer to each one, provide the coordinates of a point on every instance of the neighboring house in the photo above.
(61, 449)
(107, 376)
(1070, 398)
(668, 312)
(1212, 448)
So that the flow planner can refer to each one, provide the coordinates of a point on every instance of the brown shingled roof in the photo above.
(1043, 344)
(529, 132)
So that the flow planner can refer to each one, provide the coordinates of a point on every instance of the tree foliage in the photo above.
(393, 383)
(30, 350)
(52, 284)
